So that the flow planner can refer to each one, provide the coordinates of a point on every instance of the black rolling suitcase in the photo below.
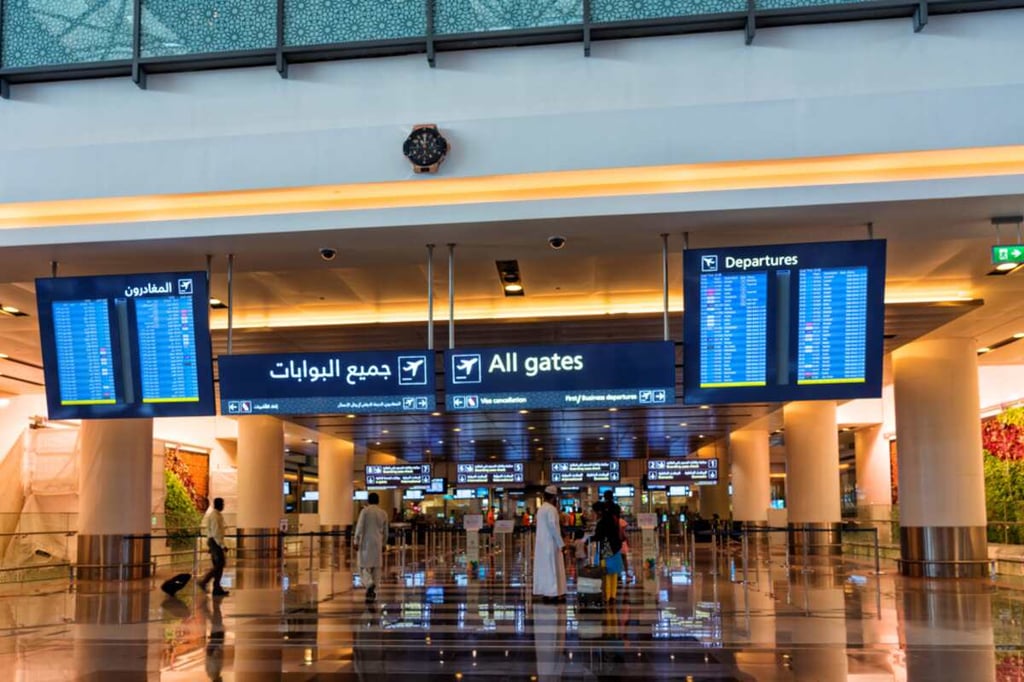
(590, 586)
(174, 584)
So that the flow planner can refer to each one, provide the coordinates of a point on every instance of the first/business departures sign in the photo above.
(396, 475)
(560, 377)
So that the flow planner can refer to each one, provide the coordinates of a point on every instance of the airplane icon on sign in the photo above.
(466, 369)
(709, 263)
(412, 370)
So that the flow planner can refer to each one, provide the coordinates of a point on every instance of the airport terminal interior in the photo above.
(431, 295)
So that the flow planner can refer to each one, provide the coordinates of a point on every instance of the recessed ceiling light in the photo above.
(1018, 335)
(378, 442)
(472, 441)
(350, 416)
(986, 349)
(682, 423)
(700, 436)
(435, 414)
(218, 304)
(1002, 267)
(705, 407)
(613, 409)
(440, 442)
(536, 440)
(456, 429)
(524, 412)
(493, 457)
(530, 428)
(634, 437)
(540, 448)
(606, 426)
(601, 438)
(384, 431)
(307, 440)
(513, 288)
(4, 356)
(428, 451)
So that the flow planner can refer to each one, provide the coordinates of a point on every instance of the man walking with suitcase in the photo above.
(213, 530)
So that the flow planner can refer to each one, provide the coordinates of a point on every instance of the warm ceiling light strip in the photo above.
(608, 182)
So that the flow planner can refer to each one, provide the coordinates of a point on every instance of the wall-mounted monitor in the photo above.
(311, 496)
(464, 494)
(287, 488)
(679, 491)
(598, 375)
(438, 486)
(122, 346)
(361, 495)
(593, 471)
(413, 494)
(624, 491)
(784, 322)
(693, 471)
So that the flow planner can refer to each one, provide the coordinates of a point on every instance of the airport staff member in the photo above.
(548, 564)
(371, 534)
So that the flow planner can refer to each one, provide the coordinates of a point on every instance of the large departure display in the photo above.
(397, 475)
(560, 377)
(596, 471)
(370, 382)
(784, 322)
(125, 346)
(696, 471)
(489, 473)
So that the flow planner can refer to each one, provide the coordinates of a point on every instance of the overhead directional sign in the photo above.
(489, 473)
(585, 472)
(695, 471)
(783, 322)
(1009, 253)
(372, 382)
(397, 475)
(560, 377)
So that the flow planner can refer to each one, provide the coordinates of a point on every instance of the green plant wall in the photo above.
(182, 517)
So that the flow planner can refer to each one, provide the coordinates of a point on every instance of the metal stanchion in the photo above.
(806, 567)
(745, 557)
(714, 552)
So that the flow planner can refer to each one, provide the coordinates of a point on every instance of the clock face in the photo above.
(425, 147)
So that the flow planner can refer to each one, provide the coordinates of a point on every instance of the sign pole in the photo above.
(451, 296)
(430, 297)
(231, 299)
(664, 282)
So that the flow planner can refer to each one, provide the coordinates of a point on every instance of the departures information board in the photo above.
(674, 471)
(125, 346)
(489, 473)
(784, 322)
(397, 475)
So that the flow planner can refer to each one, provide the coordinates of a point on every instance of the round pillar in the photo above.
(874, 478)
(260, 498)
(938, 435)
(751, 475)
(812, 476)
(115, 483)
(335, 458)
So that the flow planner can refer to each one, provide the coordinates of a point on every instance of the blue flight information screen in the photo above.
(833, 325)
(167, 349)
(84, 352)
(783, 322)
(734, 322)
(124, 346)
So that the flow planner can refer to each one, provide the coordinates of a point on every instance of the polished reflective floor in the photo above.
(435, 619)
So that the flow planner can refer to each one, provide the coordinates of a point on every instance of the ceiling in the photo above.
(606, 284)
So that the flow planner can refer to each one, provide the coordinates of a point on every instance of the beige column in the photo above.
(812, 476)
(941, 477)
(751, 474)
(714, 499)
(115, 479)
(260, 498)
(335, 457)
(874, 483)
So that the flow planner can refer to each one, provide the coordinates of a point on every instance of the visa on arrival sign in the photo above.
(560, 377)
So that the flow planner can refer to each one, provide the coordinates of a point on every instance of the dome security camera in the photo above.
(328, 254)
(556, 242)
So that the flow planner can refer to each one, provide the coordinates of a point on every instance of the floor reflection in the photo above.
(436, 620)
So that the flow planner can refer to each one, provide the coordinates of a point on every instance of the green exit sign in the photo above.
(1011, 253)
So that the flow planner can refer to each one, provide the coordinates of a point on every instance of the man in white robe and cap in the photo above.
(548, 564)
(370, 536)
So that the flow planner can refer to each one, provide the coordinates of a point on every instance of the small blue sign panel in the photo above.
(121, 346)
(560, 377)
(489, 473)
(671, 471)
(370, 382)
(783, 322)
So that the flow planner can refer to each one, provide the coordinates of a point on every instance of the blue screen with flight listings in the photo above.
(783, 322)
(122, 346)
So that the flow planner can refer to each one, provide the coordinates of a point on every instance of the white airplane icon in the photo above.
(413, 366)
(466, 365)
